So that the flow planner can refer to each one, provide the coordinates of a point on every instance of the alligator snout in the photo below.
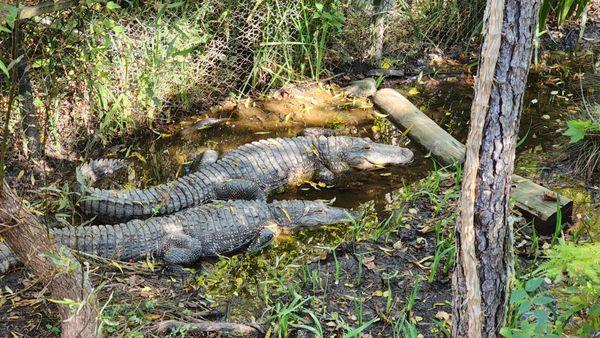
(387, 155)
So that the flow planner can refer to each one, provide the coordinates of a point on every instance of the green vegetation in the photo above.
(584, 145)
(108, 70)
(564, 296)
(563, 10)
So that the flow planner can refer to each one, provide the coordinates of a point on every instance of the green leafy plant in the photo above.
(583, 149)
(550, 310)
(564, 10)
(577, 129)
(532, 311)
(404, 326)
(317, 23)
(569, 261)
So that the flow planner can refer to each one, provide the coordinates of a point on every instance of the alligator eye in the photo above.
(367, 147)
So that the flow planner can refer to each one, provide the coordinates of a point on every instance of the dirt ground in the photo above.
(371, 281)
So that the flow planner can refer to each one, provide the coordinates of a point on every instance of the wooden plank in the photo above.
(540, 204)
(28, 12)
(534, 200)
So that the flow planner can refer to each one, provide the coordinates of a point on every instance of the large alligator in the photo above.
(247, 172)
(209, 230)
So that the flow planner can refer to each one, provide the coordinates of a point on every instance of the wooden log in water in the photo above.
(535, 201)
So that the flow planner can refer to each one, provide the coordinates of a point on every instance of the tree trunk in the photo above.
(29, 240)
(383, 11)
(484, 238)
(29, 123)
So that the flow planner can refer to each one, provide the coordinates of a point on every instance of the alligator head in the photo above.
(297, 213)
(343, 153)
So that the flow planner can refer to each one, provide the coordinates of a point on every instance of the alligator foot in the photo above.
(239, 189)
(179, 249)
(264, 238)
(178, 272)
(325, 175)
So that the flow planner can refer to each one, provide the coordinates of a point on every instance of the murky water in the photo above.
(549, 101)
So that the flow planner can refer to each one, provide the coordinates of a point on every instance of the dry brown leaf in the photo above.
(369, 263)
(442, 315)
(426, 229)
(550, 196)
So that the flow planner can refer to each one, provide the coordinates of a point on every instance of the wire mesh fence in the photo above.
(106, 68)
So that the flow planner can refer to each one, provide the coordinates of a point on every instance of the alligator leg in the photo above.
(239, 190)
(264, 238)
(325, 175)
(208, 157)
(180, 249)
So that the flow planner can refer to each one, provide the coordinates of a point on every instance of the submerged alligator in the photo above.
(247, 172)
(209, 230)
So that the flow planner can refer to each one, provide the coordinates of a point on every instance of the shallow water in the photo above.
(549, 101)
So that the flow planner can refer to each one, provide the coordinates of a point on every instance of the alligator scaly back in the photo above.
(248, 172)
(182, 238)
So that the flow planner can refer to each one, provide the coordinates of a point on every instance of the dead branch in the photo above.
(207, 326)
(45, 8)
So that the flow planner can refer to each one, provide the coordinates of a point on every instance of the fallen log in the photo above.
(536, 202)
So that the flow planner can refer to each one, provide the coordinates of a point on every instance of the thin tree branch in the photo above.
(45, 8)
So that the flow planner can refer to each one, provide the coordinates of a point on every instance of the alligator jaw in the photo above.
(382, 155)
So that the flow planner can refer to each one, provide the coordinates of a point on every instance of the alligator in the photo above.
(248, 172)
(210, 230)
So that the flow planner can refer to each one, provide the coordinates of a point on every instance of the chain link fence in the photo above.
(104, 69)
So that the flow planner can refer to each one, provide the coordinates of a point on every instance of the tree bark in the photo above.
(30, 241)
(383, 9)
(29, 123)
(484, 267)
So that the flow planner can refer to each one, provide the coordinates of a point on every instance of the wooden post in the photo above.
(531, 198)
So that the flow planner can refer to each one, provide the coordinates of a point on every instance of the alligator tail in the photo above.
(113, 206)
(124, 241)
